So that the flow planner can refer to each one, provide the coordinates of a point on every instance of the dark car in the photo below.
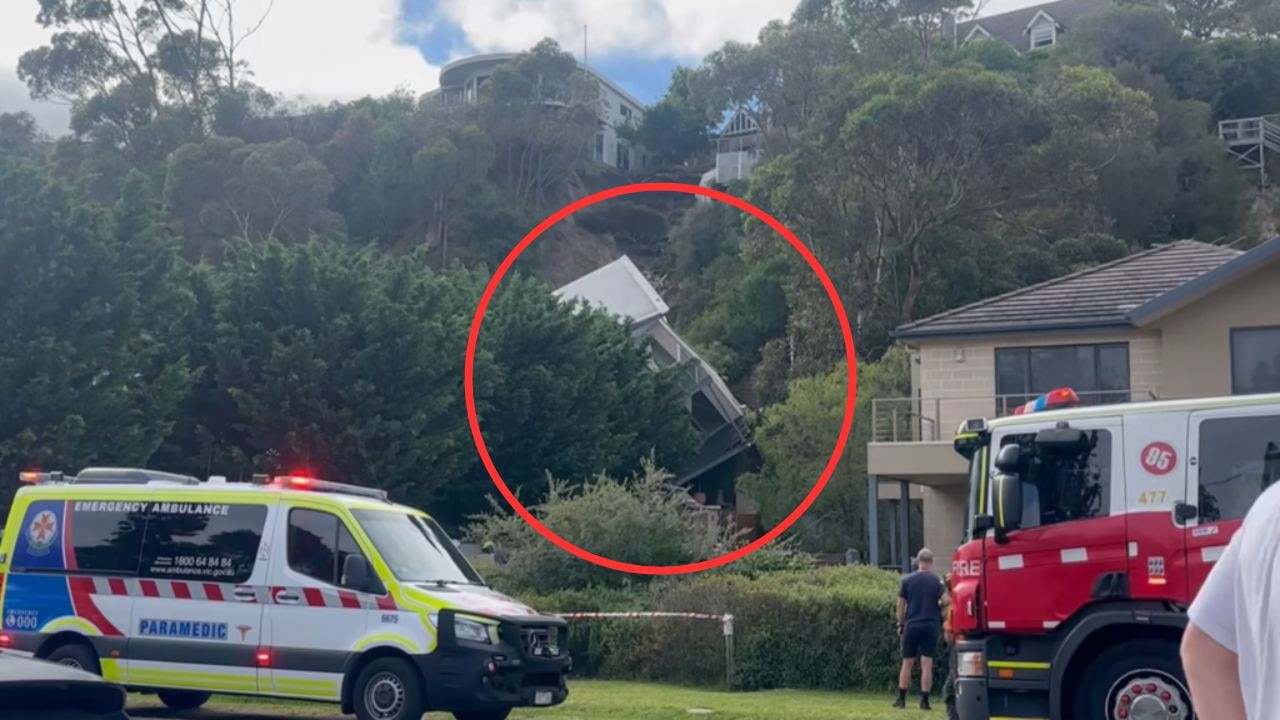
(39, 690)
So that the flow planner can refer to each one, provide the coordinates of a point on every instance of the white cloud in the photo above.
(682, 29)
(19, 32)
(320, 50)
(334, 49)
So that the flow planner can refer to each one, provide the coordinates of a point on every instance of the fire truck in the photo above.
(1090, 531)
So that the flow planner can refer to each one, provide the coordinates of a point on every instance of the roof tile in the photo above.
(1097, 297)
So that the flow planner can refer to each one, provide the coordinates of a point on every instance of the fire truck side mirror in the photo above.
(1008, 496)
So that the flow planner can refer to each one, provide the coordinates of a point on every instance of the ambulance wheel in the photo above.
(482, 715)
(76, 655)
(182, 699)
(389, 688)
(1142, 678)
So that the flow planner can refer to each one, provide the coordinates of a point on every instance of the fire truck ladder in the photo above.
(1250, 140)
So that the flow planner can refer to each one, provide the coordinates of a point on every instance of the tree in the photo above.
(20, 136)
(222, 188)
(781, 82)
(676, 128)
(795, 441)
(91, 368)
(933, 151)
(573, 394)
(542, 112)
(121, 62)
(449, 170)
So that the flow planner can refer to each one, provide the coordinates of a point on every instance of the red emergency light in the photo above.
(1055, 400)
(301, 482)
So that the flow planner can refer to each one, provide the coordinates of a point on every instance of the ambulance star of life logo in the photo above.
(244, 630)
(41, 533)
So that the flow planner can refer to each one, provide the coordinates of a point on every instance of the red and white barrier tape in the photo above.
(603, 615)
(726, 621)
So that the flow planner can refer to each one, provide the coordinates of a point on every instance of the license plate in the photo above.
(542, 697)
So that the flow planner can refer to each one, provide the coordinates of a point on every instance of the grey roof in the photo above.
(1107, 296)
(1011, 27)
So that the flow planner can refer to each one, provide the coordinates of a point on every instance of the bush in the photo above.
(830, 628)
(642, 521)
(819, 628)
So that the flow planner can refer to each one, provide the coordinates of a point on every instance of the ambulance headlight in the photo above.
(464, 629)
(471, 630)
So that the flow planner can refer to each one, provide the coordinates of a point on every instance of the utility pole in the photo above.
(584, 44)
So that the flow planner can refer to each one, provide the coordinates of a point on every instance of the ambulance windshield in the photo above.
(416, 549)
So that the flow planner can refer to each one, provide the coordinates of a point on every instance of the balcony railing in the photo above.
(936, 419)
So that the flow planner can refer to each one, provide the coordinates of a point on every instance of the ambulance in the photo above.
(289, 586)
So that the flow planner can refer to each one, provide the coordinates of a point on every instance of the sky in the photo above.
(323, 50)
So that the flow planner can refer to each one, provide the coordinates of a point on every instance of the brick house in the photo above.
(1181, 320)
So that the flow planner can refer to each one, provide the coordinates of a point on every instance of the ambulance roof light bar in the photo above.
(1055, 400)
(302, 482)
(129, 476)
(35, 477)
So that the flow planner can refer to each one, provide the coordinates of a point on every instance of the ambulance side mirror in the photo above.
(356, 575)
(1008, 496)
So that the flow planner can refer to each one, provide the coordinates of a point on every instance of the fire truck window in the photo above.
(1239, 458)
(1064, 486)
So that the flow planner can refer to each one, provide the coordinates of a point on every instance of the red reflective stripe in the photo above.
(349, 599)
(68, 545)
(181, 591)
(213, 592)
(82, 602)
(386, 602)
(117, 586)
(314, 597)
(149, 588)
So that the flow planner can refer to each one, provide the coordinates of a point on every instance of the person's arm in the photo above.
(1209, 645)
(1213, 672)
(902, 604)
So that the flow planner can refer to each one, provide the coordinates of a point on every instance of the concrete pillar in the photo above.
(893, 532)
(873, 520)
(904, 524)
(945, 510)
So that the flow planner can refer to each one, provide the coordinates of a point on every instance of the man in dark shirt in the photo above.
(920, 601)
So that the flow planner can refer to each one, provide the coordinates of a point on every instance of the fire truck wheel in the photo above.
(1137, 679)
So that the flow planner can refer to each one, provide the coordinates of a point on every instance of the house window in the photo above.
(1255, 360)
(599, 147)
(1098, 373)
(623, 157)
(1043, 36)
(626, 111)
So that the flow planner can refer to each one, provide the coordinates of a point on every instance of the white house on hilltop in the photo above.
(460, 83)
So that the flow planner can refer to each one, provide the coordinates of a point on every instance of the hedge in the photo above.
(829, 628)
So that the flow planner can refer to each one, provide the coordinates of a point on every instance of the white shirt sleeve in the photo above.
(1214, 608)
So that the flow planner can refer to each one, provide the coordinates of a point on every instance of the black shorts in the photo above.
(919, 640)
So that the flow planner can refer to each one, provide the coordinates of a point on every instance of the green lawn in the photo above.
(590, 700)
